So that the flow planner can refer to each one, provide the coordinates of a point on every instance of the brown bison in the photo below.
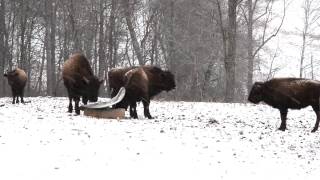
(79, 80)
(142, 84)
(17, 79)
(288, 93)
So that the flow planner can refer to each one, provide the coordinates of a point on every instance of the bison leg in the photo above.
(21, 97)
(14, 98)
(70, 105)
(22, 101)
(17, 97)
(146, 109)
(283, 114)
(76, 104)
(84, 100)
(133, 110)
(317, 111)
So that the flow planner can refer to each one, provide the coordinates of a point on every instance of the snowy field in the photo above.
(39, 140)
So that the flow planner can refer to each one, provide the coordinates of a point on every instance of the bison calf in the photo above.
(79, 80)
(17, 79)
(288, 93)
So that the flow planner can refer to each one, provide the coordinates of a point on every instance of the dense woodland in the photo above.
(213, 47)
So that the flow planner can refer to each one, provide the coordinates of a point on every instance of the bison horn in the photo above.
(86, 80)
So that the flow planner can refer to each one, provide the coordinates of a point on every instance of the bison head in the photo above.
(167, 79)
(92, 86)
(256, 93)
(12, 76)
(11, 73)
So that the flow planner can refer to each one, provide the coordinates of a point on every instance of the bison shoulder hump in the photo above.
(137, 73)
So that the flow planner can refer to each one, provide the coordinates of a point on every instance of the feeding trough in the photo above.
(104, 110)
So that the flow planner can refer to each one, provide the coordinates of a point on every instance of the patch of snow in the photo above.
(186, 140)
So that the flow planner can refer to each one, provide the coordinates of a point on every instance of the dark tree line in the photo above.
(210, 45)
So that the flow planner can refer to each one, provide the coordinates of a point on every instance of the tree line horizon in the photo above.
(212, 47)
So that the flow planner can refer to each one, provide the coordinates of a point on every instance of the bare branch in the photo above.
(265, 41)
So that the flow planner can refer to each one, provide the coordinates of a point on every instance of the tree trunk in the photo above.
(23, 28)
(250, 46)
(231, 51)
(311, 63)
(132, 32)
(41, 68)
(2, 46)
(101, 50)
(307, 11)
(302, 54)
(53, 46)
(29, 56)
(74, 29)
(50, 46)
(207, 77)
(12, 32)
(171, 53)
(111, 37)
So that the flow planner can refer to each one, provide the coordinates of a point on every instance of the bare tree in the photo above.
(2, 45)
(101, 50)
(111, 40)
(50, 19)
(230, 59)
(253, 16)
(229, 46)
(210, 45)
(311, 14)
(135, 43)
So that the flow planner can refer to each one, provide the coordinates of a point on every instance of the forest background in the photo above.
(215, 48)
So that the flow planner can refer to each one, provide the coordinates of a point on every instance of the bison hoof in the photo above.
(282, 129)
(314, 130)
(78, 111)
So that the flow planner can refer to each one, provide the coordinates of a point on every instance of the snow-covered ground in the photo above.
(186, 140)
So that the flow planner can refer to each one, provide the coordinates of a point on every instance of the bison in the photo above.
(17, 79)
(80, 81)
(288, 93)
(142, 84)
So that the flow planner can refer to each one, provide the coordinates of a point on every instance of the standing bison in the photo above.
(17, 79)
(288, 93)
(79, 80)
(142, 84)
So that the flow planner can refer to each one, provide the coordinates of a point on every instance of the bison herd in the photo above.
(142, 83)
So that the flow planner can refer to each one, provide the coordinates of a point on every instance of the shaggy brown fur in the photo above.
(17, 79)
(141, 84)
(288, 93)
(116, 79)
(79, 80)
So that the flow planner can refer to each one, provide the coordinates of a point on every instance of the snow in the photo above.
(186, 140)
